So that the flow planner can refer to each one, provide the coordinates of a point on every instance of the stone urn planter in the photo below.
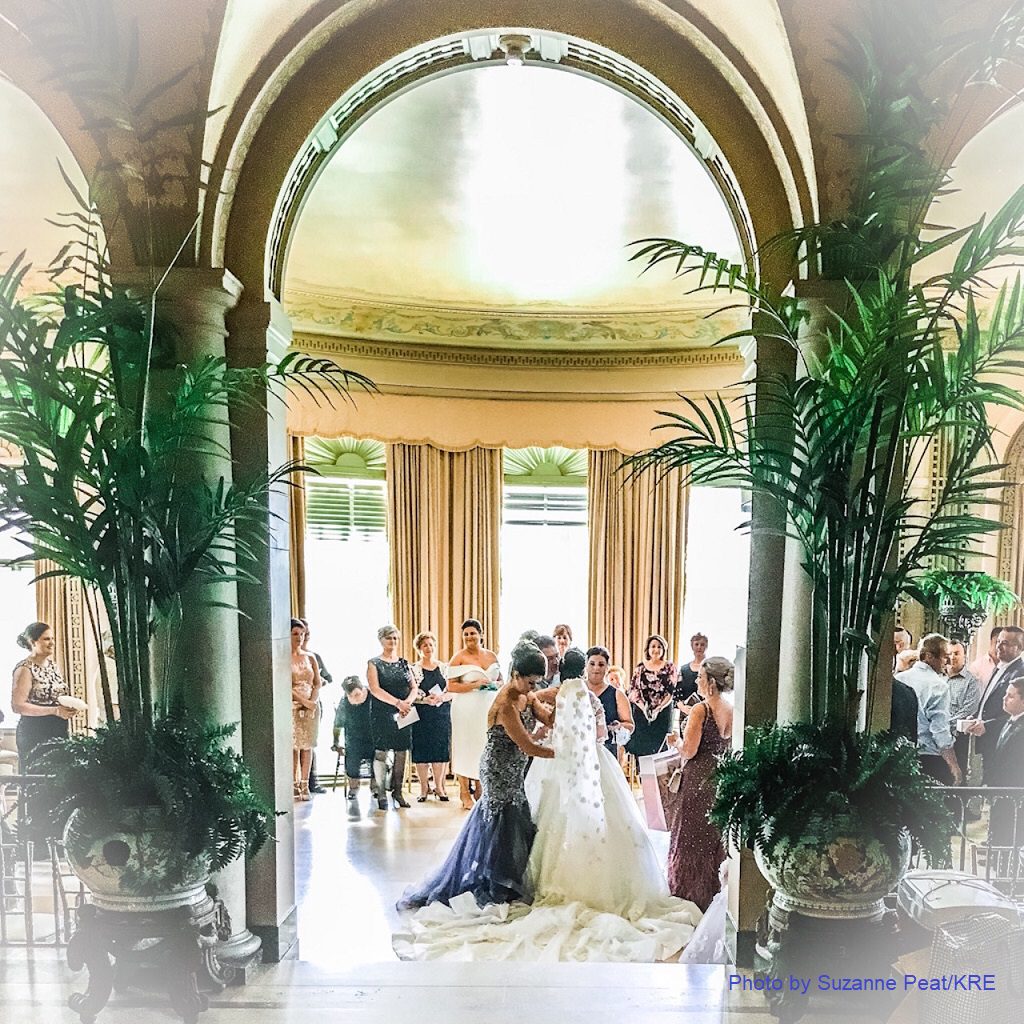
(136, 864)
(836, 870)
(960, 621)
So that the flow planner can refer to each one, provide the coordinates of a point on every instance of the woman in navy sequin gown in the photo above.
(490, 855)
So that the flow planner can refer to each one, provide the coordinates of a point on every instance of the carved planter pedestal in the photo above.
(174, 949)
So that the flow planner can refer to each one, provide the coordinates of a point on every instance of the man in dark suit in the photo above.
(991, 716)
(1005, 765)
(903, 712)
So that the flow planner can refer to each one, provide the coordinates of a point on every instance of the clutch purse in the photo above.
(65, 700)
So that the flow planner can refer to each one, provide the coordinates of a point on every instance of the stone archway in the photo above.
(279, 113)
(237, 231)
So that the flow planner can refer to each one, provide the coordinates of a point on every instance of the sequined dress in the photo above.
(695, 853)
(491, 853)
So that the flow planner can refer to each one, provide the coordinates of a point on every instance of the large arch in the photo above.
(326, 56)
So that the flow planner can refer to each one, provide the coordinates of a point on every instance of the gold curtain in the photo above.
(637, 555)
(444, 514)
(60, 604)
(297, 526)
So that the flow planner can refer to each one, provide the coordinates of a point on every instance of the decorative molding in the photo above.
(682, 328)
(1011, 540)
(326, 344)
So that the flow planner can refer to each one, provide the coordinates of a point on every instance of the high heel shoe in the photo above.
(422, 799)
(443, 798)
(399, 800)
(304, 796)
(296, 790)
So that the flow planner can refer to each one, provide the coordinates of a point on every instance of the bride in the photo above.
(599, 891)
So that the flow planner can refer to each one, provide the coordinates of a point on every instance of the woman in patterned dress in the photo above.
(37, 687)
(305, 709)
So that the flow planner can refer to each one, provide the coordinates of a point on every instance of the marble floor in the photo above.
(350, 874)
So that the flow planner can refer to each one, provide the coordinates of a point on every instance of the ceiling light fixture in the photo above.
(514, 45)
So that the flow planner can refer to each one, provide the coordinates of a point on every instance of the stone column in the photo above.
(205, 658)
(818, 298)
(757, 685)
(260, 331)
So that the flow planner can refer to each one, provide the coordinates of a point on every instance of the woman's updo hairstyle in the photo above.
(573, 664)
(386, 631)
(297, 624)
(721, 672)
(30, 634)
(527, 659)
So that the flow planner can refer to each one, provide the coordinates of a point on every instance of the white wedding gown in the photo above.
(600, 892)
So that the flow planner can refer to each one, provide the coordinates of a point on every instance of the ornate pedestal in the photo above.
(799, 949)
(172, 949)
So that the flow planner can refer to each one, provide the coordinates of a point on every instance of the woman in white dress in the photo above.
(473, 676)
(600, 893)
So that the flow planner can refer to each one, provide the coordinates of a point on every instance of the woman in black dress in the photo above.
(432, 734)
(393, 691)
(686, 687)
(650, 698)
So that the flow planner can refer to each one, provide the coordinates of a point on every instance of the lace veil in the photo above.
(574, 740)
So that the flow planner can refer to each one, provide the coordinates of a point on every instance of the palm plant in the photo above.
(110, 430)
(977, 591)
(907, 364)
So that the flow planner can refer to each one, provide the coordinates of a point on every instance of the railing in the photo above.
(39, 892)
(989, 840)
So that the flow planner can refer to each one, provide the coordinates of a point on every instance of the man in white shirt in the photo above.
(991, 716)
(928, 681)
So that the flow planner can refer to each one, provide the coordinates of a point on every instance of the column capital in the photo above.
(193, 298)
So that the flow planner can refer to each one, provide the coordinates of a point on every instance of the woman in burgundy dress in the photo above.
(696, 852)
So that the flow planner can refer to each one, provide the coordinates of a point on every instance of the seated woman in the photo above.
(473, 675)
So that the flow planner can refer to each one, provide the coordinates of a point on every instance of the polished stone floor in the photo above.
(350, 874)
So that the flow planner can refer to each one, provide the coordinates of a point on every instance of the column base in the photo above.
(241, 951)
(279, 941)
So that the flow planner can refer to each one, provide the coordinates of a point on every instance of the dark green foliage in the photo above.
(201, 787)
(111, 430)
(787, 774)
(975, 590)
(902, 365)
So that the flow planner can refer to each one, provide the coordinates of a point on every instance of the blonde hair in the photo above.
(420, 637)
(620, 673)
(721, 672)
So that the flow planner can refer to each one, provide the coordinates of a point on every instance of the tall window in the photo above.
(717, 564)
(544, 545)
(346, 552)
